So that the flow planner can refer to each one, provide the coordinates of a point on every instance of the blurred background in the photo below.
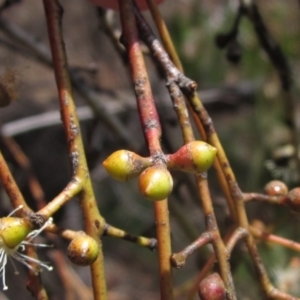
(240, 88)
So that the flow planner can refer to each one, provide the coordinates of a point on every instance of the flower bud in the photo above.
(13, 231)
(194, 157)
(276, 188)
(156, 183)
(124, 165)
(212, 288)
(83, 250)
(293, 200)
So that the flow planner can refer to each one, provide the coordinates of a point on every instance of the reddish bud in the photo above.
(276, 188)
(83, 250)
(212, 288)
(156, 183)
(124, 165)
(293, 199)
(194, 157)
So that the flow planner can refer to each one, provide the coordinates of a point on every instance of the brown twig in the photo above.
(164, 33)
(12, 188)
(94, 222)
(178, 259)
(176, 79)
(34, 284)
(264, 198)
(235, 195)
(24, 163)
(42, 54)
(274, 239)
(208, 266)
(72, 283)
(112, 231)
(151, 127)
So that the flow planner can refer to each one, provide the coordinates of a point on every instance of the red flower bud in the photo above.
(212, 288)
(194, 157)
(293, 200)
(276, 188)
(156, 183)
(124, 165)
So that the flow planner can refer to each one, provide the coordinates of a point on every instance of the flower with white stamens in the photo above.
(15, 234)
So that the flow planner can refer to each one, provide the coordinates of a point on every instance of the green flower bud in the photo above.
(194, 157)
(124, 165)
(13, 231)
(156, 183)
(83, 250)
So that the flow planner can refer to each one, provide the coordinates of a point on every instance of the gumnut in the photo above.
(113, 4)
(293, 200)
(276, 188)
(13, 231)
(194, 157)
(155, 183)
(124, 165)
(83, 250)
(212, 288)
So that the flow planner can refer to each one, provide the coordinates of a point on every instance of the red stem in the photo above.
(145, 101)
(152, 131)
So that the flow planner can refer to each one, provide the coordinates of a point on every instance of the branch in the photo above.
(94, 222)
(152, 131)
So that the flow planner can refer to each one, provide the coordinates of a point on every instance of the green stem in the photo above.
(94, 222)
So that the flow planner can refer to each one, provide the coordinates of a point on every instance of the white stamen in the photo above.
(15, 210)
(22, 258)
(37, 245)
(14, 266)
(34, 233)
(3, 260)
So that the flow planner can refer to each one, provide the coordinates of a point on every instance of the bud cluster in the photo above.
(155, 181)
(291, 198)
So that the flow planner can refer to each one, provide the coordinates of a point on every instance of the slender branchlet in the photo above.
(152, 131)
(94, 222)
